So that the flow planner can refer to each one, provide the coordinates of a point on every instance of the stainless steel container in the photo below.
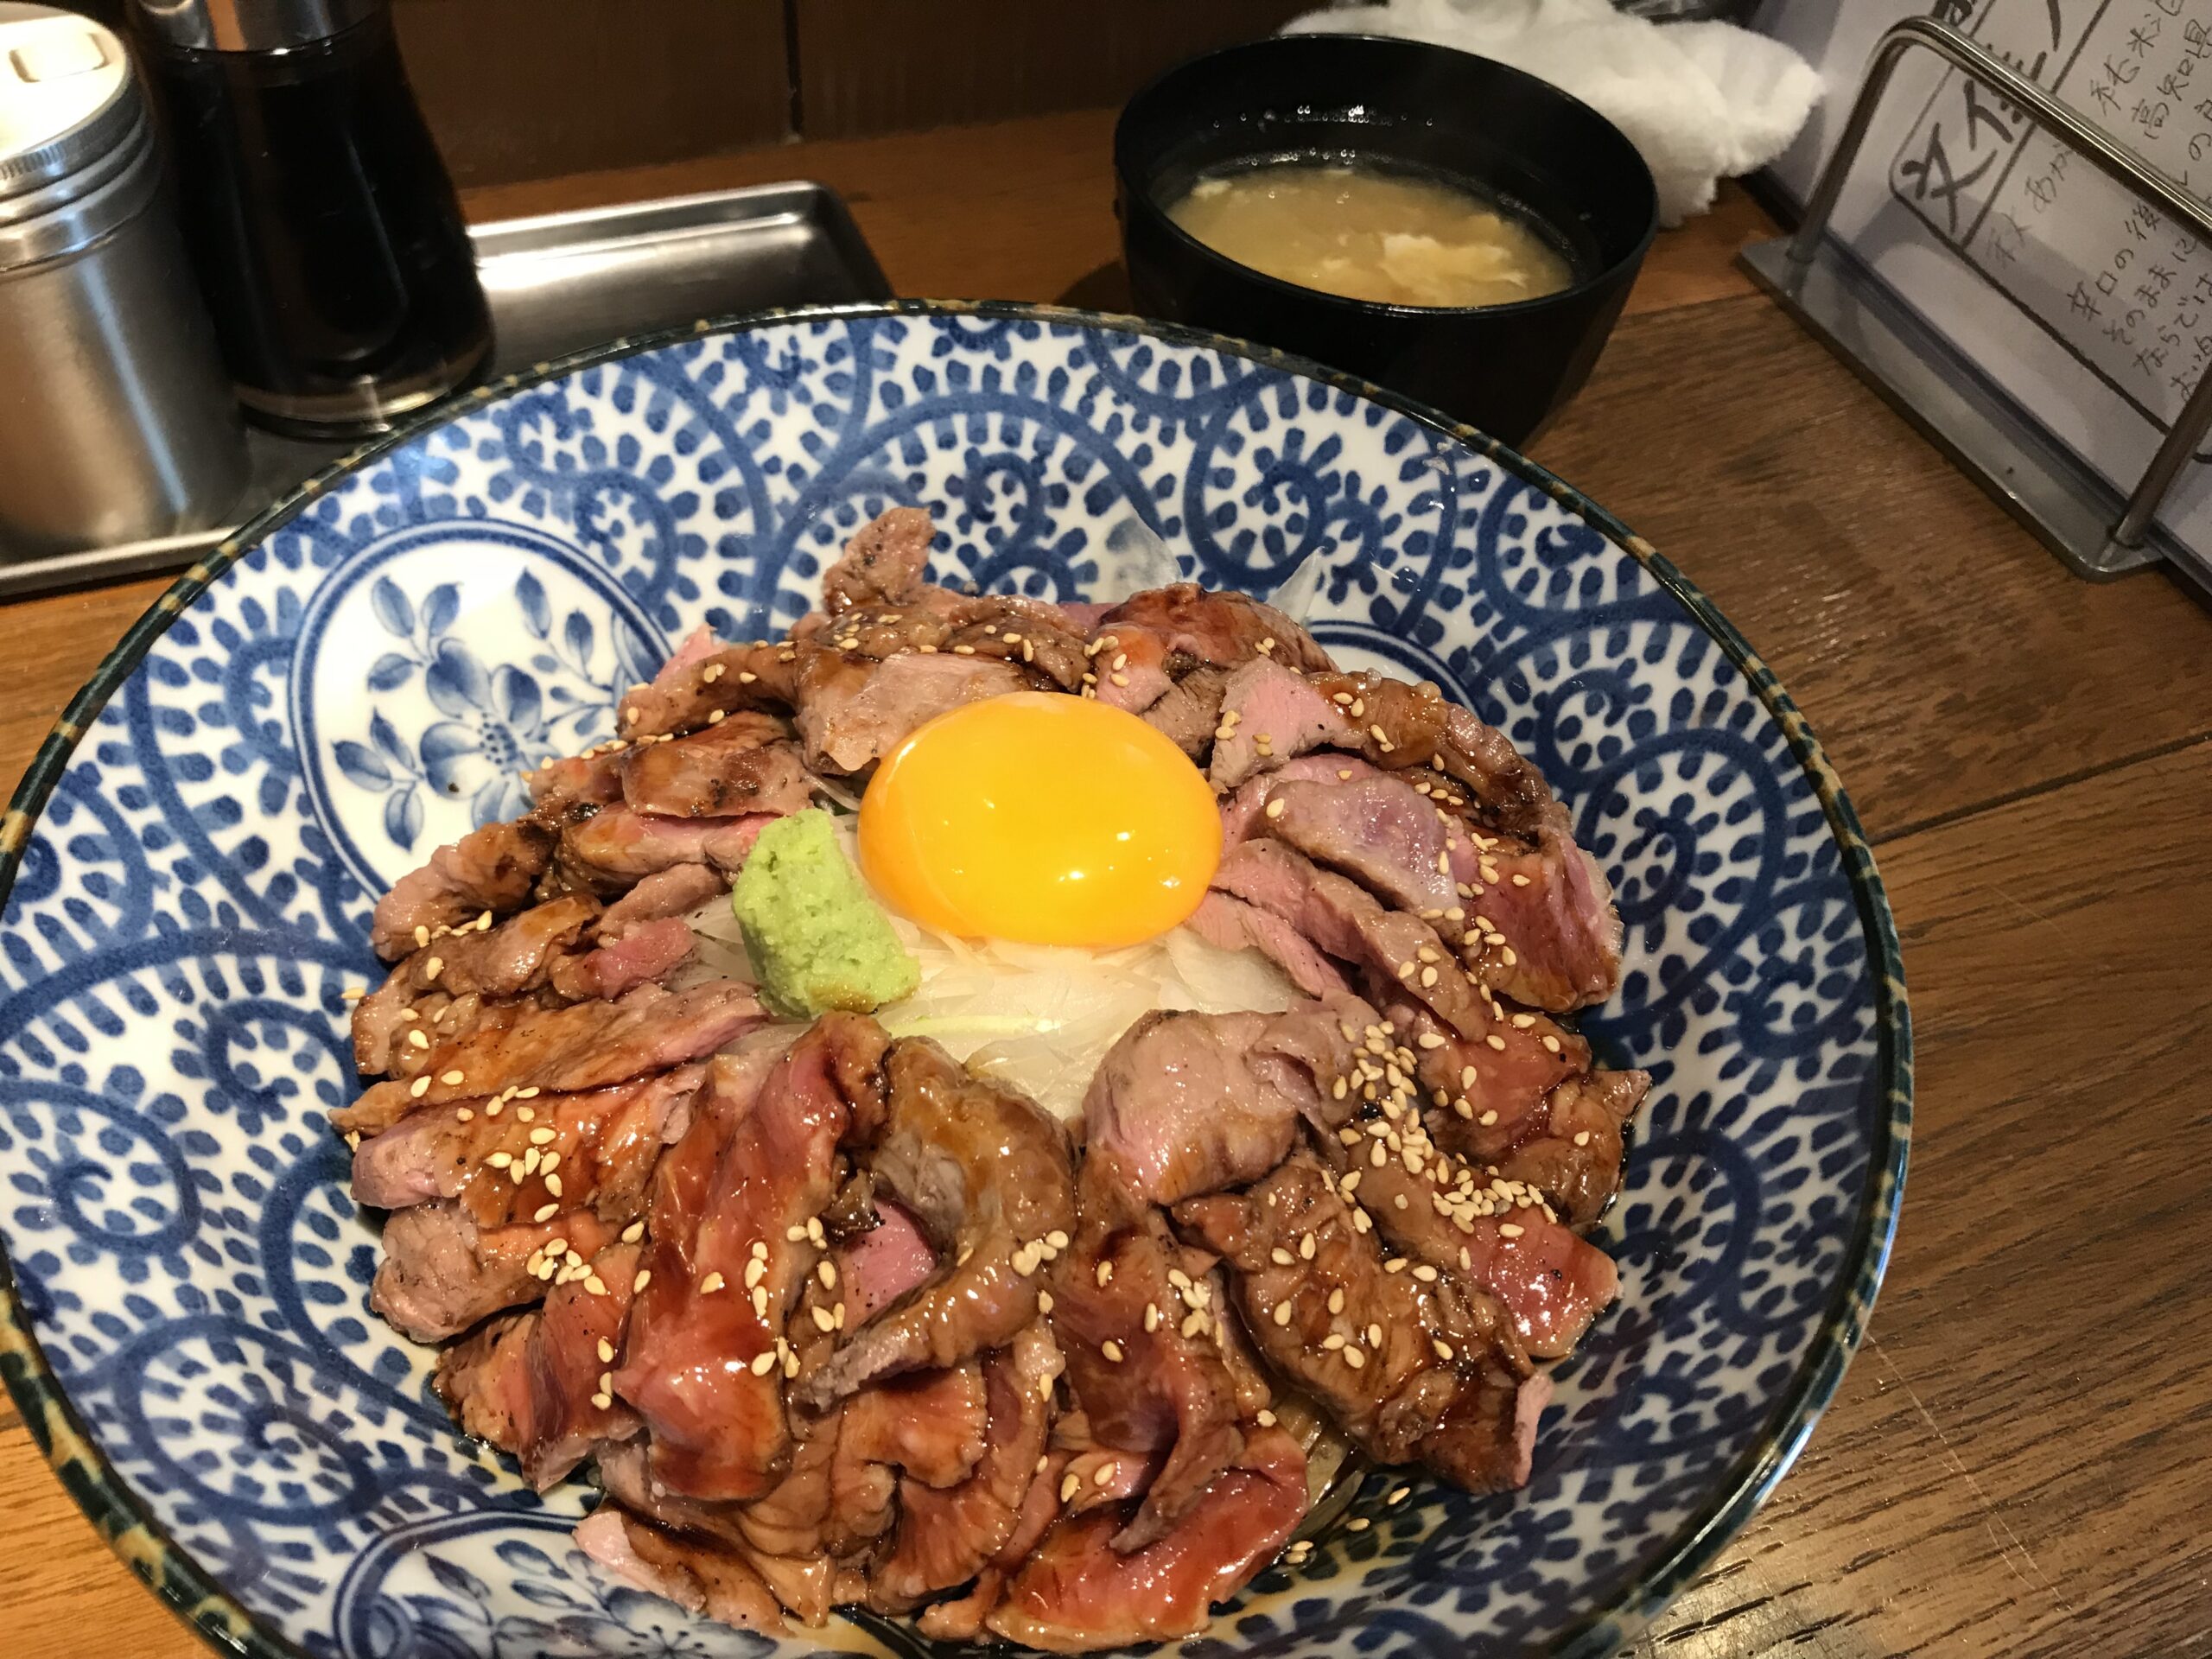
(117, 420)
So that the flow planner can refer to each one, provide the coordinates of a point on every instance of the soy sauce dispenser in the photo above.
(321, 223)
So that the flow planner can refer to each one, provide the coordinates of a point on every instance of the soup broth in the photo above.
(1369, 234)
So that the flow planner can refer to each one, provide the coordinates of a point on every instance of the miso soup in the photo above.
(1371, 234)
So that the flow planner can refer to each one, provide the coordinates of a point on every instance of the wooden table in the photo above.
(2016, 1465)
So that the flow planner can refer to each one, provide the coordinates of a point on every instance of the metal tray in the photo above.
(558, 283)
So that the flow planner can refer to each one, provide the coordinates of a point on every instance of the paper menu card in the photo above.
(2091, 310)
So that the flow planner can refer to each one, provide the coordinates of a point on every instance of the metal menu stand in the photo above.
(2076, 513)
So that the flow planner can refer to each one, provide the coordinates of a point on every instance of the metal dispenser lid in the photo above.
(65, 96)
(248, 25)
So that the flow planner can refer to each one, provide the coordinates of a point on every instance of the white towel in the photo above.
(1702, 101)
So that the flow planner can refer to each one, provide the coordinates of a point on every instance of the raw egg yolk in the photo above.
(1040, 817)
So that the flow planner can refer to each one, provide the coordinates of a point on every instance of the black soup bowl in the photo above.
(1545, 157)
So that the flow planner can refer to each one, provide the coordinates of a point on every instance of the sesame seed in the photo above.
(827, 1272)
(633, 1232)
(1112, 1350)
(602, 1399)
(451, 1079)
(1426, 1274)
(1105, 1273)
(1510, 1230)
(1333, 1341)
(553, 1186)
(715, 716)
(420, 1087)
(794, 1233)
(756, 1271)
(546, 1212)
(760, 1301)
(712, 672)
(1354, 1358)
(422, 935)
(760, 1251)
(1396, 1264)
(541, 1137)
(500, 1160)
(1335, 1301)
(1044, 1301)
(711, 1283)
(1488, 1117)
(764, 1362)
(1379, 1156)
(432, 969)
(1551, 1044)
(1069, 1486)
(1282, 1313)
(1274, 807)
(1427, 977)
(645, 1277)
(824, 1321)
(1151, 1316)
(1495, 1040)
(525, 1114)
(1374, 1335)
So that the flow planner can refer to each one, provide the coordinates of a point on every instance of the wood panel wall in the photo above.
(518, 89)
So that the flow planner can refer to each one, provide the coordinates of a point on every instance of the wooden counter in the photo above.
(2014, 1464)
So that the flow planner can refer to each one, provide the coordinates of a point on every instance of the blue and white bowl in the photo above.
(190, 863)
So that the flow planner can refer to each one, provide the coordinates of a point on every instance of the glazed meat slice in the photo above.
(441, 1272)
(481, 959)
(644, 953)
(1502, 787)
(1344, 920)
(562, 786)
(596, 1149)
(616, 848)
(566, 1051)
(1378, 830)
(1270, 713)
(1400, 725)
(704, 1361)
(1079, 1592)
(1231, 924)
(700, 1575)
(1487, 1229)
(961, 1619)
(1242, 814)
(853, 711)
(948, 1533)
(736, 765)
(1218, 629)
(884, 562)
(877, 1266)
(1540, 924)
(986, 1174)
(1189, 711)
(666, 895)
(1136, 1319)
(686, 695)
(1185, 1103)
(535, 1385)
(1391, 1357)
(931, 1425)
(1575, 1161)
(492, 869)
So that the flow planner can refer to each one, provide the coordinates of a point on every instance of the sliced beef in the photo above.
(1344, 920)
(1378, 830)
(853, 711)
(566, 1051)
(595, 1149)
(1574, 1159)
(664, 895)
(1222, 628)
(700, 1575)
(1540, 924)
(1079, 1592)
(616, 848)
(1242, 815)
(1491, 1232)
(686, 697)
(704, 1364)
(948, 1533)
(961, 1619)
(931, 1426)
(645, 952)
(1504, 789)
(1231, 924)
(535, 1385)
(879, 1267)
(492, 869)
(1494, 1088)
(986, 1173)
(1136, 1320)
(1270, 713)
(561, 788)
(738, 765)
(1391, 1357)
(1189, 711)
(1398, 725)
(1185, 1103)
(884, 562)
(441, 1272)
